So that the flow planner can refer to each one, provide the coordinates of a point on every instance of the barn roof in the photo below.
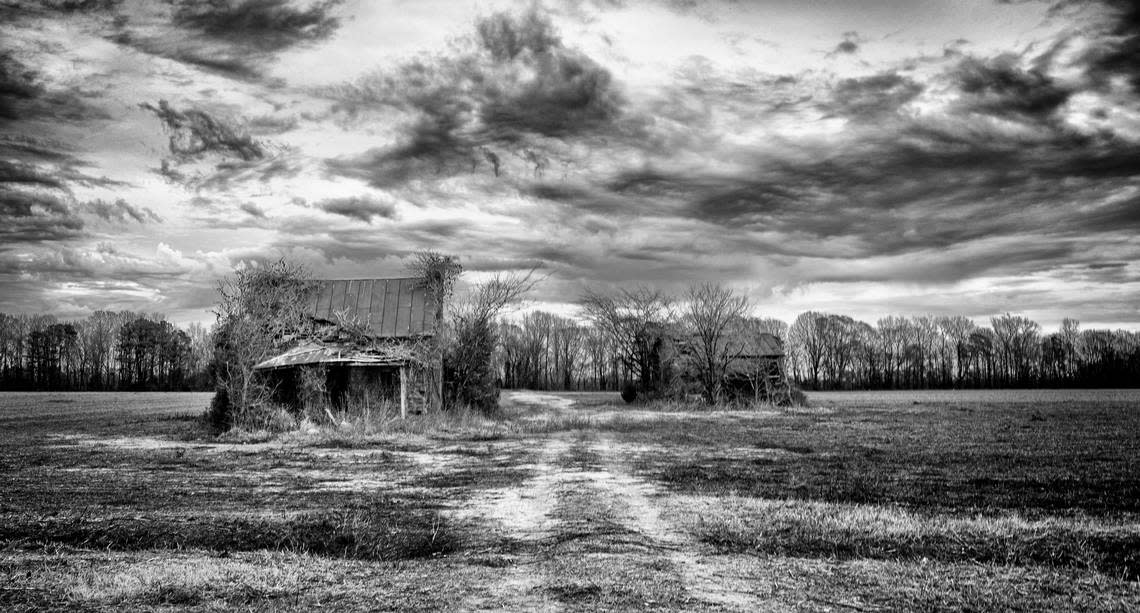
(762, 345)
(388, 308)
(733, 342)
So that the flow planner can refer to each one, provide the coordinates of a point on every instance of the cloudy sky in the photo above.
(861, 157)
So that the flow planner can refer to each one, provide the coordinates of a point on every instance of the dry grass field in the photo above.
(860, 502)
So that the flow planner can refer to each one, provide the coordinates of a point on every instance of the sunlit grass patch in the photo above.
(847, 531)
(181, 582)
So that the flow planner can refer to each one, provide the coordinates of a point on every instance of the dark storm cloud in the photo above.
(17, 86)
(32, 149)
(13, 10)
(717, 198)
(36, 199)
(230, 173)
(998, 86)
(67, 171)
(120, 210)
(431, 146)
(18, 173)
(24, 96)
(62, 6)
(584, 198)
(196, 135)
(195, 132)
(360, 207)
(564, 92)
(208, 55)
(1118, 53)
(1115, 216)
(906, 190)
(520, 84)
(267, 25)
(942, 267)
(872, 97)
(33, 217)
(1001, 199)
(234, 38)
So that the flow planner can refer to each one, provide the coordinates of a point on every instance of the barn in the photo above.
(369, 341)
(755, 369)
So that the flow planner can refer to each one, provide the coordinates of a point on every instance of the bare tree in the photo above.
(710, 311)
(1070, 334)
(1018, 345)
(626, 318)
(956, 332)
(807, 340)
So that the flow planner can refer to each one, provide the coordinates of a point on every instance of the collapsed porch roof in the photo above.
(326, 353)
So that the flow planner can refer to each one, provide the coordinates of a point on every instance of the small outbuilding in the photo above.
(369, 341)
(754, 372)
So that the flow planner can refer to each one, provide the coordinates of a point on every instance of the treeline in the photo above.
(830, 351)
(106, 351)
(827, 352)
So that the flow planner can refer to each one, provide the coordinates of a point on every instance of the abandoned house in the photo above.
(754, 372)
(370, 341)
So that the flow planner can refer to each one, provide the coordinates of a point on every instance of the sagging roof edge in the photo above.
(314, 353)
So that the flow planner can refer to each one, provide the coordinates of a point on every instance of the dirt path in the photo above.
(703, 578)
(585, 533)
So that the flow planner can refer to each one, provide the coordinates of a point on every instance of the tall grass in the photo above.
(364, 420)
(384, 531)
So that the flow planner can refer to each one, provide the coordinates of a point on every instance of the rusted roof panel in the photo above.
(390, 308)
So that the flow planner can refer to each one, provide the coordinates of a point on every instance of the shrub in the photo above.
(263, 417)
(629, 392)
(220, 414)
(468, 371)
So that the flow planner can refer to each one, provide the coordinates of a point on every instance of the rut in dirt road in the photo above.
(587, 532)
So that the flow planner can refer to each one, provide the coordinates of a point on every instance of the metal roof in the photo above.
(762, 345)
(734, 343)
(389, 308)
(317, 353)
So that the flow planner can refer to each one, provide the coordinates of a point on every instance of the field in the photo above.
(1020, 501)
